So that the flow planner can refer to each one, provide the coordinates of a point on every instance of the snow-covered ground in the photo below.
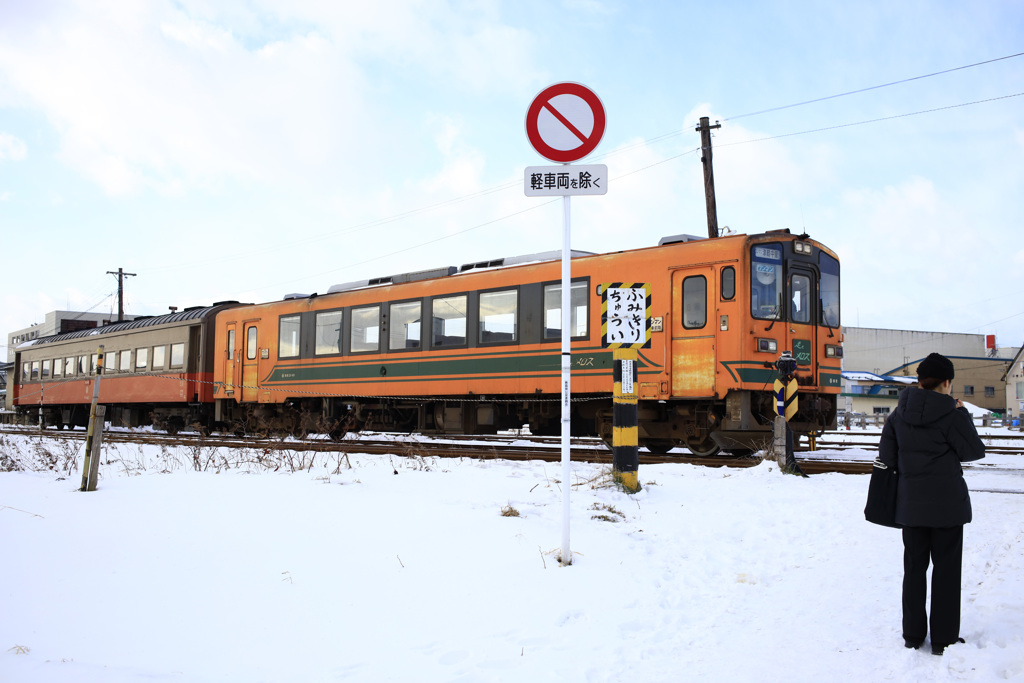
(380, 568)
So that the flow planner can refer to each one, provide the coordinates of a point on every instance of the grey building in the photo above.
(58, 322)
(892, 356)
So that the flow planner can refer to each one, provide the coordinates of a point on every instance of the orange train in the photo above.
(476, 349)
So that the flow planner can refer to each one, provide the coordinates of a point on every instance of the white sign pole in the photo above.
(566, 374)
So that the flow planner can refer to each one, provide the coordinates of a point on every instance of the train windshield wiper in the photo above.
(778, 314)
(824, 318)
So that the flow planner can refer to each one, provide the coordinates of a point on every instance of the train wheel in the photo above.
(174, 425)
(705, 448)
(659, 446)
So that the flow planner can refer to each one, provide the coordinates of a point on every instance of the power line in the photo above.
(873, 87)
(878, 120)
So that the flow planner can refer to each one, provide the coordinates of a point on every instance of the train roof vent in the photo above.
(539, 257)
(348, 285)
(396, 279)
(676, 239)
(424, 274)
(296, 295)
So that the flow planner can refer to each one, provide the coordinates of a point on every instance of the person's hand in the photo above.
(959, 403)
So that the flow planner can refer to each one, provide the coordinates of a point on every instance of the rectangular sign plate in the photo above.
(560, 181)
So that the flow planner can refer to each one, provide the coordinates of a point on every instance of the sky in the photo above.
(247, 150)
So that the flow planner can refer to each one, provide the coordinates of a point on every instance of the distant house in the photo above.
(1014, 382)
(872, 394)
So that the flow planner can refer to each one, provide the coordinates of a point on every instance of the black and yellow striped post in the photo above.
(625, 328)
(94, 435)
(625, 443)
(786, 407)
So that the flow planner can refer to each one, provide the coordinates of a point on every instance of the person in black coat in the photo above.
(927, 437)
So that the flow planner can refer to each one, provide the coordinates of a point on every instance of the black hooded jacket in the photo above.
(927, 438)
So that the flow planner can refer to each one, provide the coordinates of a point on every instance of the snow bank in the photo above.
(404, 569)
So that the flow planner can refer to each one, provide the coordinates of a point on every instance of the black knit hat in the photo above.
(935, 366)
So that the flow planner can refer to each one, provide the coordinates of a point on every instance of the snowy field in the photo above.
(380, 568)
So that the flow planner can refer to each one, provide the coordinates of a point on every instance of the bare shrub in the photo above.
(509, 511)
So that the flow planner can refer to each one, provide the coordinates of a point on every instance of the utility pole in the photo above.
(121, 275)
(709, 174)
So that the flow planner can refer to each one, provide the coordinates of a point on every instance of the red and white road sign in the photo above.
(565, 122)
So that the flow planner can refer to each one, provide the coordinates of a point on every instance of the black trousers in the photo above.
(945, 547)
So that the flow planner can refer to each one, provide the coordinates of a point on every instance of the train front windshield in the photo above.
(766, 280)
(768, 291)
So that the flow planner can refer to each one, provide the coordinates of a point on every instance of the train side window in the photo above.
(404, 323)
(448, 321)
(81, 365)
(829, 289)
(69, 367)
(58, 367)
(579, 312)
(328, 332)
(45, 370)
(141, 360)
(801, 298)
(94, 359)
(365, 333)
(695, 302)
(26, 371)
(498, 316)
(231, 345)
(728, 283)
(159, 357)
(250, 344)
(126, 362)
(178, 354)
(109, 362)
(288, 337)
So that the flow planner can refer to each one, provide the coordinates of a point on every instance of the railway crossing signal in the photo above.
(785, 408)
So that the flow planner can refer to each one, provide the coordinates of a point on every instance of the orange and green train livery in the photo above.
(476, 349)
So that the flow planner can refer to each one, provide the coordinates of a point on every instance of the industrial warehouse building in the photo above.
(877, 364)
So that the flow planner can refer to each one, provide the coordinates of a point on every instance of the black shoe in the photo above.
(938, 648)
(912, 644)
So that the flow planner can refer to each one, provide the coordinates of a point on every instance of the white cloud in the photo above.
(169, 96)
(11, 148)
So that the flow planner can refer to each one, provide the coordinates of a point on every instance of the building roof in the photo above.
(194, 313)
(860, 376)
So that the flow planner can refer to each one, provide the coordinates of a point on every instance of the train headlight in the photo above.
(767, 346)
(802, 247)
(833, 351)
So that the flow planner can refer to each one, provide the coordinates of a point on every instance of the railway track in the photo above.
(506, 447)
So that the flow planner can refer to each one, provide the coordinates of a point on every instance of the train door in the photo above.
(250, 364)
(229, 364)
(693, 332)
(803, 330)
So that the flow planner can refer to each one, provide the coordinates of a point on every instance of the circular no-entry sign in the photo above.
(565, 122)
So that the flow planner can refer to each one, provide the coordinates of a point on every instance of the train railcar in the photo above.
(476, 349)
(156, 370)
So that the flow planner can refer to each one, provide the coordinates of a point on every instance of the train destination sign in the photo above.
(565, 122)
(565, 181)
